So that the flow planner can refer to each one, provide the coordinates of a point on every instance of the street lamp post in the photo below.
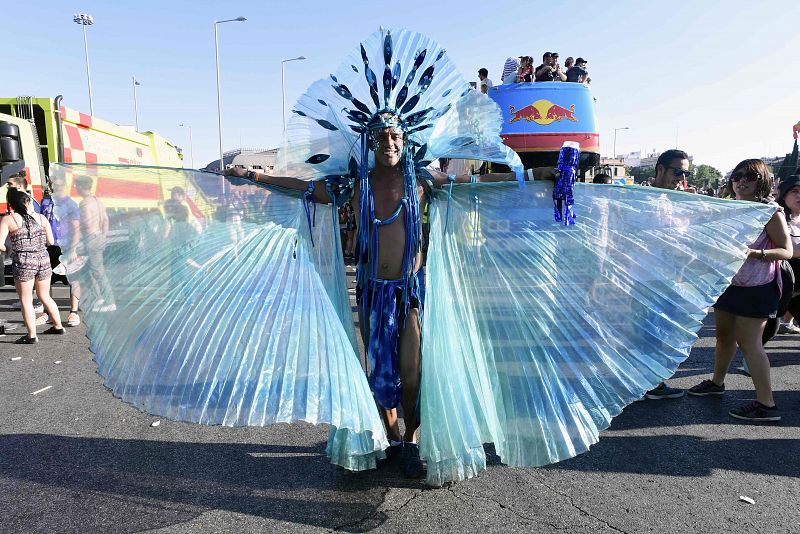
(191, 145)
(283, 90)
(219, 100)
(86, 20)
(615, 138)
(135, 103)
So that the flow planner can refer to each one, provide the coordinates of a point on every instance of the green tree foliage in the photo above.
(641, 174)
(704, 176)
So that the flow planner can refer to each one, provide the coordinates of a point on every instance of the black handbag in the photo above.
(790, 289)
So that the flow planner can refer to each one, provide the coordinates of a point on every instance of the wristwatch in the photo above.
(251, 175)
(763, 255)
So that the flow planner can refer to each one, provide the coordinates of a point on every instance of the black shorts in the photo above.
(55, 254)
(760, 302)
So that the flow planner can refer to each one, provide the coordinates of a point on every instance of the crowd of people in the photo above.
(521, 70)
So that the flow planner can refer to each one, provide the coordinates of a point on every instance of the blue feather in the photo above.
(426, 79)
(387, 85)
(327, 125)
(387, 49)
(317, 158)
(401, 96)
(396, 75)
(410, 104)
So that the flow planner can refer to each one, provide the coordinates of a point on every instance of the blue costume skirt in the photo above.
(386, 316)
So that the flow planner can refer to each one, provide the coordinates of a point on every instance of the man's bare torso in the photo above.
(93, 214)
(387, 192)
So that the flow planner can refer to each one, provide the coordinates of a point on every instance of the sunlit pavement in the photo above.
(75, 459)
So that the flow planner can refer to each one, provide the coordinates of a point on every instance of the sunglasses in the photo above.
(680, 172)
(745, 176)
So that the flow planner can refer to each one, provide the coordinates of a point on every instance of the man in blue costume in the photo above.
(391, 300)
(502, 361)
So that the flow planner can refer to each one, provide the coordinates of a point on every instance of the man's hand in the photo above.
(235, 171)
(546, 173)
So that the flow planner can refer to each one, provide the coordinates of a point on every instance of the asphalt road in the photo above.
(75, 459)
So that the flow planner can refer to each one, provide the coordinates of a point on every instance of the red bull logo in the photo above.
(542, 112)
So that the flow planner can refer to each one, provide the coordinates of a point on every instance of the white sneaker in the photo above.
(107, 308)
(73, 319)
(38, 308)
(788, 328)
(43, 319)
(16, 305)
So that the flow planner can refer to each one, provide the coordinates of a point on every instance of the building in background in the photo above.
(614, 167)
(252, 159)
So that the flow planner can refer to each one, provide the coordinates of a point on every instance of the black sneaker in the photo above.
(25, 340)
(663, 391)
(54, 330)
(412, 464)
(706, 387)
(755, 411)
(395, 450)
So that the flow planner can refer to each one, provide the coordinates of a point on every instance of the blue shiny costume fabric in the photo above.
(535, 334)
(387, 317)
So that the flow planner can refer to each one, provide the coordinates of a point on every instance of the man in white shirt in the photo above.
(486, 83)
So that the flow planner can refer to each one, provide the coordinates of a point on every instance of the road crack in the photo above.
(503, 506)
(572, 503)
(378, 513)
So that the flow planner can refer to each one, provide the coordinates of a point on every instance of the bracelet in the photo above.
(763, 255)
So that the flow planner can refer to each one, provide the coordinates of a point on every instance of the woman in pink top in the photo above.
(742, 311)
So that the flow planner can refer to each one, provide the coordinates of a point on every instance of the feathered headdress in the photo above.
(404, 75)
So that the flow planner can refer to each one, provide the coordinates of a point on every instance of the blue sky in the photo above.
(720, 78)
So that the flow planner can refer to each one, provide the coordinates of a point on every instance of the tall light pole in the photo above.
(135, 103)
(86, 20)
(283, 91)
(219, 100)
(191, 145)
(615, 138)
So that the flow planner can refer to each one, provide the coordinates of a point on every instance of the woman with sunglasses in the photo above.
(742, 311)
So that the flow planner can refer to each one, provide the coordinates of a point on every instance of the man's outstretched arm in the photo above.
(286, 182)
(441, 179)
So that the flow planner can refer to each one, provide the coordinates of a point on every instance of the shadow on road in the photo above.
(702, 411)
(688, 456)
(95, 484)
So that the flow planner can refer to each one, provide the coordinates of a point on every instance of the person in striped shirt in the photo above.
(510, 70)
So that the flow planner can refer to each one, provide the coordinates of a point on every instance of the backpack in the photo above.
(48, 211)
(789, 288)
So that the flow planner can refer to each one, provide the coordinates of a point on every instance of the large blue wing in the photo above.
(215, 307)
(536, 334)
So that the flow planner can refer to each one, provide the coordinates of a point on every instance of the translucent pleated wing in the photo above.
(213, 307)
(537, 334)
